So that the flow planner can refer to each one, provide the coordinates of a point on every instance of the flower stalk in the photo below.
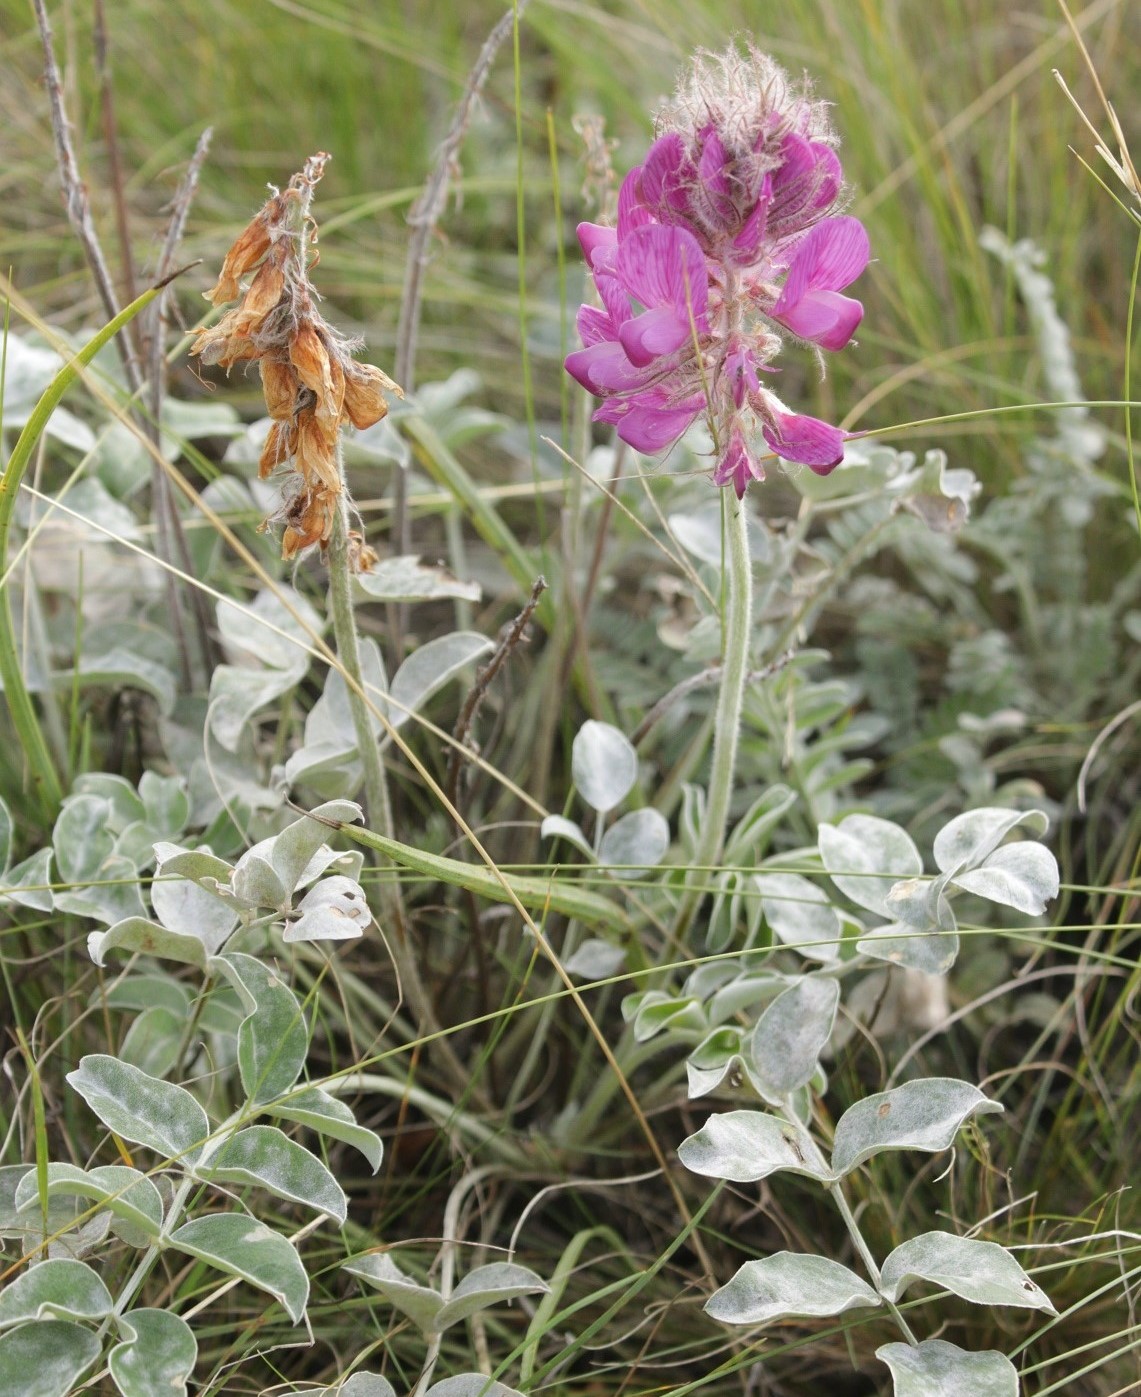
(730, 702)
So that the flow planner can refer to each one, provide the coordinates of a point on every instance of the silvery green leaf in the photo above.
(256, 883)
(428, 669)
(146, 992)
(139, 934)
(787, 1039)
(153, 1041)
(788, 1284)
(635, 843)
(933, 952)
(54, 1290)
(487, 1285)
(940, 497)
(406, 579)
(191, 910)
(358, 1384)
(28, 369)
(595, 960)
(163, 1117)
(923, 1115)
(559, 827)
(699, 532)
(865, 855)
(936, 1368)
(292, 851)
(328, 1116)
(261, 1155)
(86, 1237)
(273, 1039)
(81, 839)
(195, 864)
(56, 1351)
(165, 801)
(471, 1385)
(334, 910)
(657, 1011)
(603, 764)
(111, 897)
(5, 838)
(1023, 876)
(245, 1247)
(744, 993)
(118, 666)
(184, 420)
(237, 694)
(126, 808)
(970, 838)
(750, 834)
(799, 914)
(29, 883)
(419, 1302)
(11, 1175)
(275, 629)
(982, 1272)
(745, 1146)
(128, 1194)
(329, 723)
(156, 1356)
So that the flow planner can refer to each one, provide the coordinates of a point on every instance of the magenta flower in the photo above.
(727, 235)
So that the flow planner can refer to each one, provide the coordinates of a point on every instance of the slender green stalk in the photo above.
(45, 779)
(868, 1259)
(735, 670)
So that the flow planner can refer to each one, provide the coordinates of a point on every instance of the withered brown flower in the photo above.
(311, 381)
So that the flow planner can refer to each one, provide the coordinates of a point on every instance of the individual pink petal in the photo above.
(831, 257)
(806, 440)
(747, 243)
(632, 212)
(653, 333)
(740, 372)
(664, 266)
(596, 241)
(593, 325)
(662, 182)
(824, 317)
(652, 429)
(737, 466)
(603, 369)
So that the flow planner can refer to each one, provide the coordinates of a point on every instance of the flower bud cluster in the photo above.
(727, 238)
(311, 381)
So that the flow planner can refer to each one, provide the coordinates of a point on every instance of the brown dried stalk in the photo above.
(311, 381)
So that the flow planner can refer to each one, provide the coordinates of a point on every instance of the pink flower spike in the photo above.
(832, 256)
(805, 440)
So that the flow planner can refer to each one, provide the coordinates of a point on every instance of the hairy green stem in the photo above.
(868, 1259)
(735, 670)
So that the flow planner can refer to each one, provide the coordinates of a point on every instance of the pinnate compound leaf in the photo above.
(865, 855)
(604, 765)
(261, 1155)
(56, 1351)
(745, 1146)
(786, 1041)
(163, 1117)
(486, 1285)
(273, 1038)
(636, 843)
(799, 914)
(56, 1289)
(972, 837)
(920, 1115)
(982, 1272)
(471, 1385)
(1023, 876)
(936, 1368)
(157, 1355)
(328, 1116)
(419, 1302)
(786, 1284)
(29, 883)
(244, 1247)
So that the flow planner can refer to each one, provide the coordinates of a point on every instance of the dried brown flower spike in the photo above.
(311, 381)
